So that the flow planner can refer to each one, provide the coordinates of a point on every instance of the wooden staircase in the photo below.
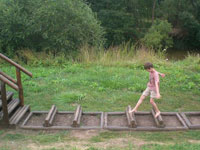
(12, 110)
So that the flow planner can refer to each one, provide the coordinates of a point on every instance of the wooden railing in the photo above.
(5, 81)
(15, 84)
(18, 76)
(11, 84)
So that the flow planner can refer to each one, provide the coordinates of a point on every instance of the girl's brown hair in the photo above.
(148, 65)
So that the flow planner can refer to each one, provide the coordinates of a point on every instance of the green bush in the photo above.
(47, 25)
(158, 36)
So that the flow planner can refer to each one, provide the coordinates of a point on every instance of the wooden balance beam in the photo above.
(159, 121)
(131, 118)
(50, 117)
(77, 117)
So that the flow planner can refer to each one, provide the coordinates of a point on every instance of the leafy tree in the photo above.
(184, 15)
(47, 25)
(123, 21)
(158, 36)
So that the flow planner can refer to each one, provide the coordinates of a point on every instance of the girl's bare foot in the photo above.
(157, 114)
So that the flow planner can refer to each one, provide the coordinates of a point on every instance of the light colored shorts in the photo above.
(148, 92)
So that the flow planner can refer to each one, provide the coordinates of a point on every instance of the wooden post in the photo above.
(19, 83)
(153, 11)
(4, 104)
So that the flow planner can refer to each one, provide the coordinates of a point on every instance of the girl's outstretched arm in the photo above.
(161, 74)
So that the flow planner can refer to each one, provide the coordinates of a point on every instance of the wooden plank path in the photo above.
(79, 120)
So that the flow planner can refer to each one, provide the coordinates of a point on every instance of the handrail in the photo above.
(12, 85)
(16, 65)
(8, 77)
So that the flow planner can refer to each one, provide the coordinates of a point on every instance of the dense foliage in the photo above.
(184, 15)
(125, 20)
(158, 36)
(66, 25)
(47, 25)
(130, 20)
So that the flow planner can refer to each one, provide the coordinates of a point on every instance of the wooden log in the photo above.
(16, 65)
(181, 120)
(105, 120)
(27, 119)
(128, 117)
(19, 83)
(59, 128)
(9, 96)
(13, 105)
(15, 115)
(192, 113)
(8, 77)
(116, 113)
(21, 114)
(131, 118)
(4, 104)
(9, 83)
(77, 117)
(50, 116)
(102, 120)
(159, 121)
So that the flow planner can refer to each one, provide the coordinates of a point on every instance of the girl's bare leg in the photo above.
(142, 97)
(155, 107)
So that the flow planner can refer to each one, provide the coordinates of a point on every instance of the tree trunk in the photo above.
(153, 10)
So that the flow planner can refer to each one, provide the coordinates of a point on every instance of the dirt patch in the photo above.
(90, 120)
(171, 121)
(194, 119)
(194, 141)
(145, 120)
(84, 144)
(117, 120)
(84, 135)
(36, 120)
(81, 141)
(63, 120)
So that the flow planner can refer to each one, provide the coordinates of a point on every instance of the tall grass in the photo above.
(121, 55)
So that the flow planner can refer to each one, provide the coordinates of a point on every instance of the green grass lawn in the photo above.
(107, 88)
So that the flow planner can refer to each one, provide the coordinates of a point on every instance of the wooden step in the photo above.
(50, 117)
(11, 106)
(9, 96)
(77, 117)
(159, 121)
(131, 118)
(18, 115)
